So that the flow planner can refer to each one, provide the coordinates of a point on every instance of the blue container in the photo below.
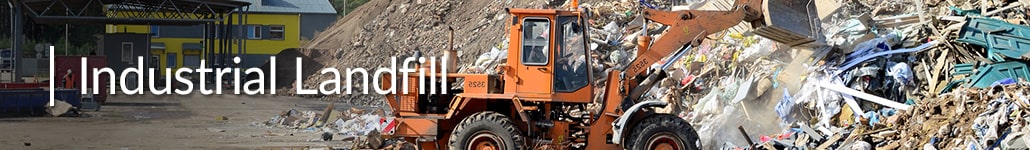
(70, 96)
(34, 100)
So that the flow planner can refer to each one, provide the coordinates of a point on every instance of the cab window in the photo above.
(570, 65)
(535, 34)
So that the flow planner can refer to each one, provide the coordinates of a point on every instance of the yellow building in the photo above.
(269, 26)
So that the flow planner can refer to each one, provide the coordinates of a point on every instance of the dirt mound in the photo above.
(382, 29)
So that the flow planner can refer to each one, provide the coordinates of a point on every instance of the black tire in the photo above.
(489, 128)
(663, 128)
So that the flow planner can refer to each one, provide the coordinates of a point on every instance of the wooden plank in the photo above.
(892, 145)
(936, 33)
(952, 18)
(983, 6)
(937, 68)
(833, 139)
(812, 133)
(926, 75)
(899, 21)
(855, 134)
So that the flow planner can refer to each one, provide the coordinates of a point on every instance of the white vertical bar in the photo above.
(53, 73)
(866, 96)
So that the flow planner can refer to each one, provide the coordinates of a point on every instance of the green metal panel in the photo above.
(962, 69)
(994, 72)
(1001, 38)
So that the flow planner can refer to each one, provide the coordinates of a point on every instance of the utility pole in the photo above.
(16, 37)
(65, 40)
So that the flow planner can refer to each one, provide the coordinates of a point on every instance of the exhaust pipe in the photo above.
(451, 55)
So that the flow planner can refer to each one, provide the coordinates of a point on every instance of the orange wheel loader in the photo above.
(527, 103)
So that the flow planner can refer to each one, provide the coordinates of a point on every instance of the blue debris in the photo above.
(784, 106)
(1006, 81)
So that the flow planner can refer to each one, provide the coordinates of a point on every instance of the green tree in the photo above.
(73, 48)
(5, 42)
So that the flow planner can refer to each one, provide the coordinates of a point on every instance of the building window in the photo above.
(127, 51)
(253, 32)
(276, 32)
(155, 31)
(170, 61)
(191, 61)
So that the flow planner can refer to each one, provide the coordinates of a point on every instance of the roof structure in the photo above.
(291, 6)
(161, 12)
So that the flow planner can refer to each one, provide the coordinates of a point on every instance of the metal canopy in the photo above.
(152, 12)
(214, 15)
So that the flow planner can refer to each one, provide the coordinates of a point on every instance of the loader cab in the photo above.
(548, 56)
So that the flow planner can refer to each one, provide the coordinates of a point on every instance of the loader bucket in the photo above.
(791, 22)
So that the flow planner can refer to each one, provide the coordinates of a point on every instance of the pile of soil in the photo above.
(373, 33)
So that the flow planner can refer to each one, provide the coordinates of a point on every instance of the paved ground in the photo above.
(166, 122)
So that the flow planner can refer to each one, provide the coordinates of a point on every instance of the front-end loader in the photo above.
(527, 103)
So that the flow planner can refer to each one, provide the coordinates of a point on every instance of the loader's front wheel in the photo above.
(485, 131)
(663, 132)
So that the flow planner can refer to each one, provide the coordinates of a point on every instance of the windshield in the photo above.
(571, 66)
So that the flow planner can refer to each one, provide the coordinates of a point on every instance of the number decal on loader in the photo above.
(638, 66)
(477, 84)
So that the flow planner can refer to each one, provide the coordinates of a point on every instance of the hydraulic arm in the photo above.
(685, 28)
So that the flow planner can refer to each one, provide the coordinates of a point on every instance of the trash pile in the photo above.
(969, 118)
(900, 74)
(359, 125)
(706, 84)
(973, 118)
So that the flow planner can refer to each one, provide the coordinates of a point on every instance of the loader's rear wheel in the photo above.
(485, 131)
(663, 132)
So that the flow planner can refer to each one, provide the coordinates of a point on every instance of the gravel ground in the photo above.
(168, 122)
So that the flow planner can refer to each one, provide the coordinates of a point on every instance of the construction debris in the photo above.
(898, 74)
(59, 108)
(964, 119)
(858, 91)
(357, 125)
(893, 75)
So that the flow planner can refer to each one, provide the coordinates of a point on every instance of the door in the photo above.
(534, 72)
